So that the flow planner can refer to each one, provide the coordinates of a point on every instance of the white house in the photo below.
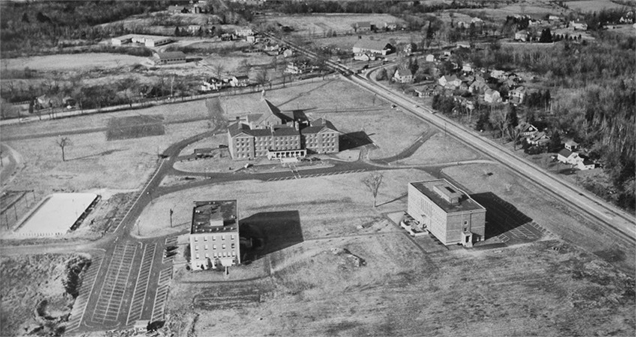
(449, 82)
(571, 145)
(492, 96)
(517, 95)
(579, 25)
(498, 74)
(403, 76)
(521, 35)
(477, 87)
(467, 67)
(526, 129)
(244, 31)
(539, 138)
(568, 157)
(585, 164)
(430, 58)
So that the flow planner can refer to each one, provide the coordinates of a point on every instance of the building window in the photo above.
(222, 237)
(196, 239)
(205, 238)
(223, 247)
(206, 255)
(196, 247)
(232, 246)
(213, 246)
(206, 247)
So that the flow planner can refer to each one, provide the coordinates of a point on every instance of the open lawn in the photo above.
(71, 61)
(545, 289)
(346, 42)
(545, 210)
(92, 162)
(327, 206)
(440, 149)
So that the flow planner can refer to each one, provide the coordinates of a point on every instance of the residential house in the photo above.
(476, 20)
(467, 67)
(376, 47)
(478, 87)
(403, 76)
(492, 96)
(585, 164)
(521, 35)
(571, 145)
(538, 139)
(447, 212)
(363, 57)
(517, 95)
(239, 81)
(214, 235)
(390, 25)
(271, 47)
(449, 82)
(569, 157)
(243, 32)
(430, 58)
(526, 129)
(554, 18)
(578, 25)
(288, 53)
(362, 26)
(498, 74)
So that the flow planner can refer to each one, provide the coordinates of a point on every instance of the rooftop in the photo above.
(440, 191)
(214, 216)
(171, 55)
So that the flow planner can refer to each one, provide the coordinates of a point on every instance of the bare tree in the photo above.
(62, 143)
(218, 70)
(373, 182)
(262, 77)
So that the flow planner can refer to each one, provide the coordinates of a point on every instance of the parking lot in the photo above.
(77, 314)
(161, 296)
(141, 288)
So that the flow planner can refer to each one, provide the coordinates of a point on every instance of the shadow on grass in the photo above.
(353, 140)
(105, 153)
(501, 216)
(271, 232)
(396, 199)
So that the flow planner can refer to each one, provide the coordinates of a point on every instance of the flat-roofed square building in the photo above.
(447, 212)
(214, 237)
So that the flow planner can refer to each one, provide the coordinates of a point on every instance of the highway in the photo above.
(587, 204)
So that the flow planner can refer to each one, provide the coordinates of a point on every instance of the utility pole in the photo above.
(171, 211)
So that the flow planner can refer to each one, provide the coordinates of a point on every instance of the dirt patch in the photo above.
(38, 292)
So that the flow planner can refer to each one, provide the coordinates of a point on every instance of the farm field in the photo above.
(71, 61)
(543, 209)
(320, 24)
(346, 42)
(547, 288)
(593, 6)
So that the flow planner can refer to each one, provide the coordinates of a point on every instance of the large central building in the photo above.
(447, 212)
(214, 237)
(275, 134)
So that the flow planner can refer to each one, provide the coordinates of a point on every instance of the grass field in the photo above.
(92, 161)
(440, 149)
(327, 206)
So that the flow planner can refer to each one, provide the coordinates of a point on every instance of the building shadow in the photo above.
(353, 140)
(501, 216)
(270, 232)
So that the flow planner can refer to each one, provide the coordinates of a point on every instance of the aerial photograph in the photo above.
(203, 168)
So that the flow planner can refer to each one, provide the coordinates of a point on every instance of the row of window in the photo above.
(223, 246)
(205, 238)
(215, 255)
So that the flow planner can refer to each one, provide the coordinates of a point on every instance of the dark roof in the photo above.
(319, 125)
(279, 130)
(565, 152)
(404, 72)
(465, 202)
(171, 55)
(206, 213)
(204, 150)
